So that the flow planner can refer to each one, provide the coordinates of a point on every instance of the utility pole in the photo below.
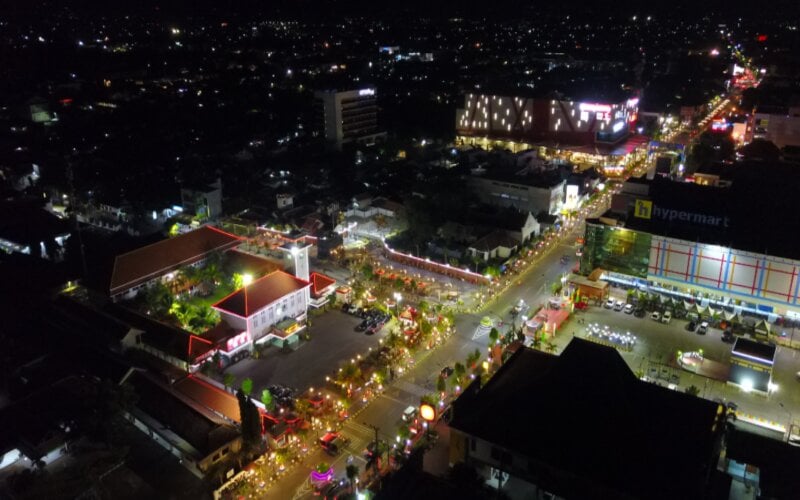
(377, 444)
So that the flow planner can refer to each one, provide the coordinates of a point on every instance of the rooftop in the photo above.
(663, 441)
(141, 265)
(261, 293)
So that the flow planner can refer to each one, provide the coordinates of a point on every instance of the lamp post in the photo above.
(397, 299)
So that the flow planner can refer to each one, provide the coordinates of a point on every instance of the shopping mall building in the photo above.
(731, 247)
(594, 132)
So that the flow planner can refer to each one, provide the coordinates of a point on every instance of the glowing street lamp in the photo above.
(247, 278)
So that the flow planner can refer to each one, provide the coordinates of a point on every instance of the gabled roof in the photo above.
(319, 282)
(259, 294)
(495, 239)
(141, 265)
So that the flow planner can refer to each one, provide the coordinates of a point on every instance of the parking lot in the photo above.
(333, 340)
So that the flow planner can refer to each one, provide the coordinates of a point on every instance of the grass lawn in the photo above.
(219, 294)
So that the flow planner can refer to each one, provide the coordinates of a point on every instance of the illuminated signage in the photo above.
(572, 197)
(366, 92)
(644, 209)
(632, 102)
(427, 412)
(599, 108)
(236, 341)
(618, 126)
(719, 125)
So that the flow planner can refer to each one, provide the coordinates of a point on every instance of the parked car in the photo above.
(628, 309)
(619, 305)
(362, 326)
(332, 443)
(610, 304)
(655, 316)
(666, 317)
(446, 372)
(410, 413)
(640, 312)
(691, 326)
(703, 329)
(728, 336)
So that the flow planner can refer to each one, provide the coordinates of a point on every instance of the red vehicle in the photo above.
(581, 306)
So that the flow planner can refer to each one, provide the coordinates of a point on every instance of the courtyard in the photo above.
(333, 341)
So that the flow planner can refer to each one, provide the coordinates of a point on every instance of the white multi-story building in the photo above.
(349, 116)
(271, 308)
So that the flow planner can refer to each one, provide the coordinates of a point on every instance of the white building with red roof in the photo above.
(138, 269)
(271, 308)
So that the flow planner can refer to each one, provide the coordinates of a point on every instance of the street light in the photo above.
(397, 299)
(247, 278)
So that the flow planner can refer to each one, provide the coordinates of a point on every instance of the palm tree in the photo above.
(458, 373)
(158, 299)
(183, 312)
(266, 399)
(204, 317)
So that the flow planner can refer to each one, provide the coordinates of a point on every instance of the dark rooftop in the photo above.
(575, 411)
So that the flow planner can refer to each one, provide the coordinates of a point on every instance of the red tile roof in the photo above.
(211, 397)
(319, 282)
(142, 265)
(261, 293)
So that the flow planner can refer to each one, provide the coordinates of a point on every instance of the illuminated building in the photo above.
(136, 270)
(701, 244)
(779, 125)
(349, 116)
(272, 308)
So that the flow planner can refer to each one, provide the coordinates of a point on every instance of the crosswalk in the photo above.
(481, 331)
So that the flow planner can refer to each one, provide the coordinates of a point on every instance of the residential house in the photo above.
(496, 245)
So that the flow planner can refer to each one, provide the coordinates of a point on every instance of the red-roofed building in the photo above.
(321, 288)
(273, 307)
(140, 268)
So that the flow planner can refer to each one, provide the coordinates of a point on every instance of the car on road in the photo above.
(409, 413)
(332, 443)
(691, 326)
(628, 309)
(610, 304)
(728, 336)
(362, 326)
(619, 305)
(666, 317)
(703, 328)
(655, 316)
(446, 372)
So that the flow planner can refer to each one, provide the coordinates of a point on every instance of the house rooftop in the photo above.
(539, 405)
(259, 294)
(319, 282)
(142, 265)
(495, 239)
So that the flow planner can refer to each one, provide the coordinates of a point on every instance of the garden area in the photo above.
(184, 298)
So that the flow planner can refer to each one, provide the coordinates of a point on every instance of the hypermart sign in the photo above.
(645, 209)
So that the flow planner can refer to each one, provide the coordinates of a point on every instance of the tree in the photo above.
(367, 271)
(158, 299)
(203, 318)
(250, 422)
(494, 335)
(441, 384)
(266, 399)
(352, 474)
(183, 312)
(693, 390)
(237, 281)
(458, 373)
(247, 386)
(228, 380)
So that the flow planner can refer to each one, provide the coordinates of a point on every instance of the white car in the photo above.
(628, 309)
(655, 316)
(666, 318)
(610, 304)
(619, 305)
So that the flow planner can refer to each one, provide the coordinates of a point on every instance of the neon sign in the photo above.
(366, 92)
(600, 108)
(618, 126)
